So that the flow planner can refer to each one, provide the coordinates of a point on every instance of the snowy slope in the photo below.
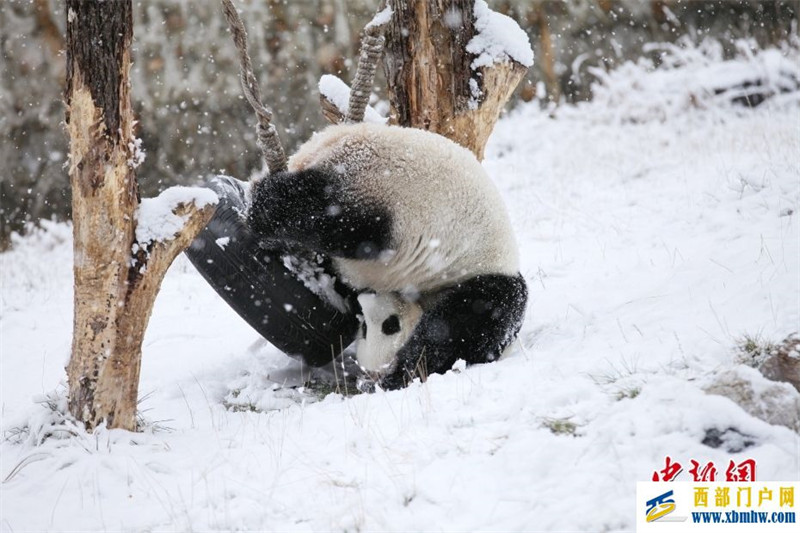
(650, 247)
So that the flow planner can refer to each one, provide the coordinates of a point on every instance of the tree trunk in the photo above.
(548, 55)
(114, 288)
(429, 73)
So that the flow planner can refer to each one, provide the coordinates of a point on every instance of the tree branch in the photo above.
(163, 253)
(335, 97)
(330, 111)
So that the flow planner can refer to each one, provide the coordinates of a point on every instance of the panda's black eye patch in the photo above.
(391, 325)
(364, 330)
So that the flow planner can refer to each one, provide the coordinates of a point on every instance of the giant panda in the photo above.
(409, 213)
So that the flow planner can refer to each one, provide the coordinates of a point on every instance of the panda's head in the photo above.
(388, 322)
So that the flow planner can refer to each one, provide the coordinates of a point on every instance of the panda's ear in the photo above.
(369, 303)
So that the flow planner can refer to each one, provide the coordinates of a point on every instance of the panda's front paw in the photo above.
(394, 381)
(403, 373)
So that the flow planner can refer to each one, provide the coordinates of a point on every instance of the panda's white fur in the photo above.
(376, 349)
(449, 222)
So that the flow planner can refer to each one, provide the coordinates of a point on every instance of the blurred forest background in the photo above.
(193, 121)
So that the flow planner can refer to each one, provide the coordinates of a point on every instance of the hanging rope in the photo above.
(268, 140)
(371, 50)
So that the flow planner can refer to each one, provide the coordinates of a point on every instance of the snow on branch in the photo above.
(167, 224)
(380, 19)
(162, 218)
(497, 39)
(334, 95)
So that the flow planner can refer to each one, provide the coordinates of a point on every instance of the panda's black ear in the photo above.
(391, 325)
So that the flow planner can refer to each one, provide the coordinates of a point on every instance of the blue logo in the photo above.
(660, 506)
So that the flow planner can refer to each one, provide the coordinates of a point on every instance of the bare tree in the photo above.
(116, 277)
(432, 82)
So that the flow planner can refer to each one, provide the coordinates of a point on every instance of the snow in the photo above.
(651, 247)
(694, 77)
(316, 279)
(155, 217)
(475, 94)
(137, 153)
(497, 39)
(380, 18)
(338, 92)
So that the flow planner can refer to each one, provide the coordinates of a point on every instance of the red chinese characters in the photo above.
(670, 471)
(706, 473)
(744, 471)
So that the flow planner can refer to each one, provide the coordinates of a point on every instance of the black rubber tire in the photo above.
(255, 282)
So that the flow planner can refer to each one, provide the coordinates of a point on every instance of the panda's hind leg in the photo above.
(313, 209)
(475, 320)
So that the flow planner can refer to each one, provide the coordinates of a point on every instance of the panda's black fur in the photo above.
(409, 212)
(314, 213)
(474, 320)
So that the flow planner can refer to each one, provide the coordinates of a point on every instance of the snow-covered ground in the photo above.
(653, 243)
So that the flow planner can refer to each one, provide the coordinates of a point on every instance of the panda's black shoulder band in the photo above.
(314, 209)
